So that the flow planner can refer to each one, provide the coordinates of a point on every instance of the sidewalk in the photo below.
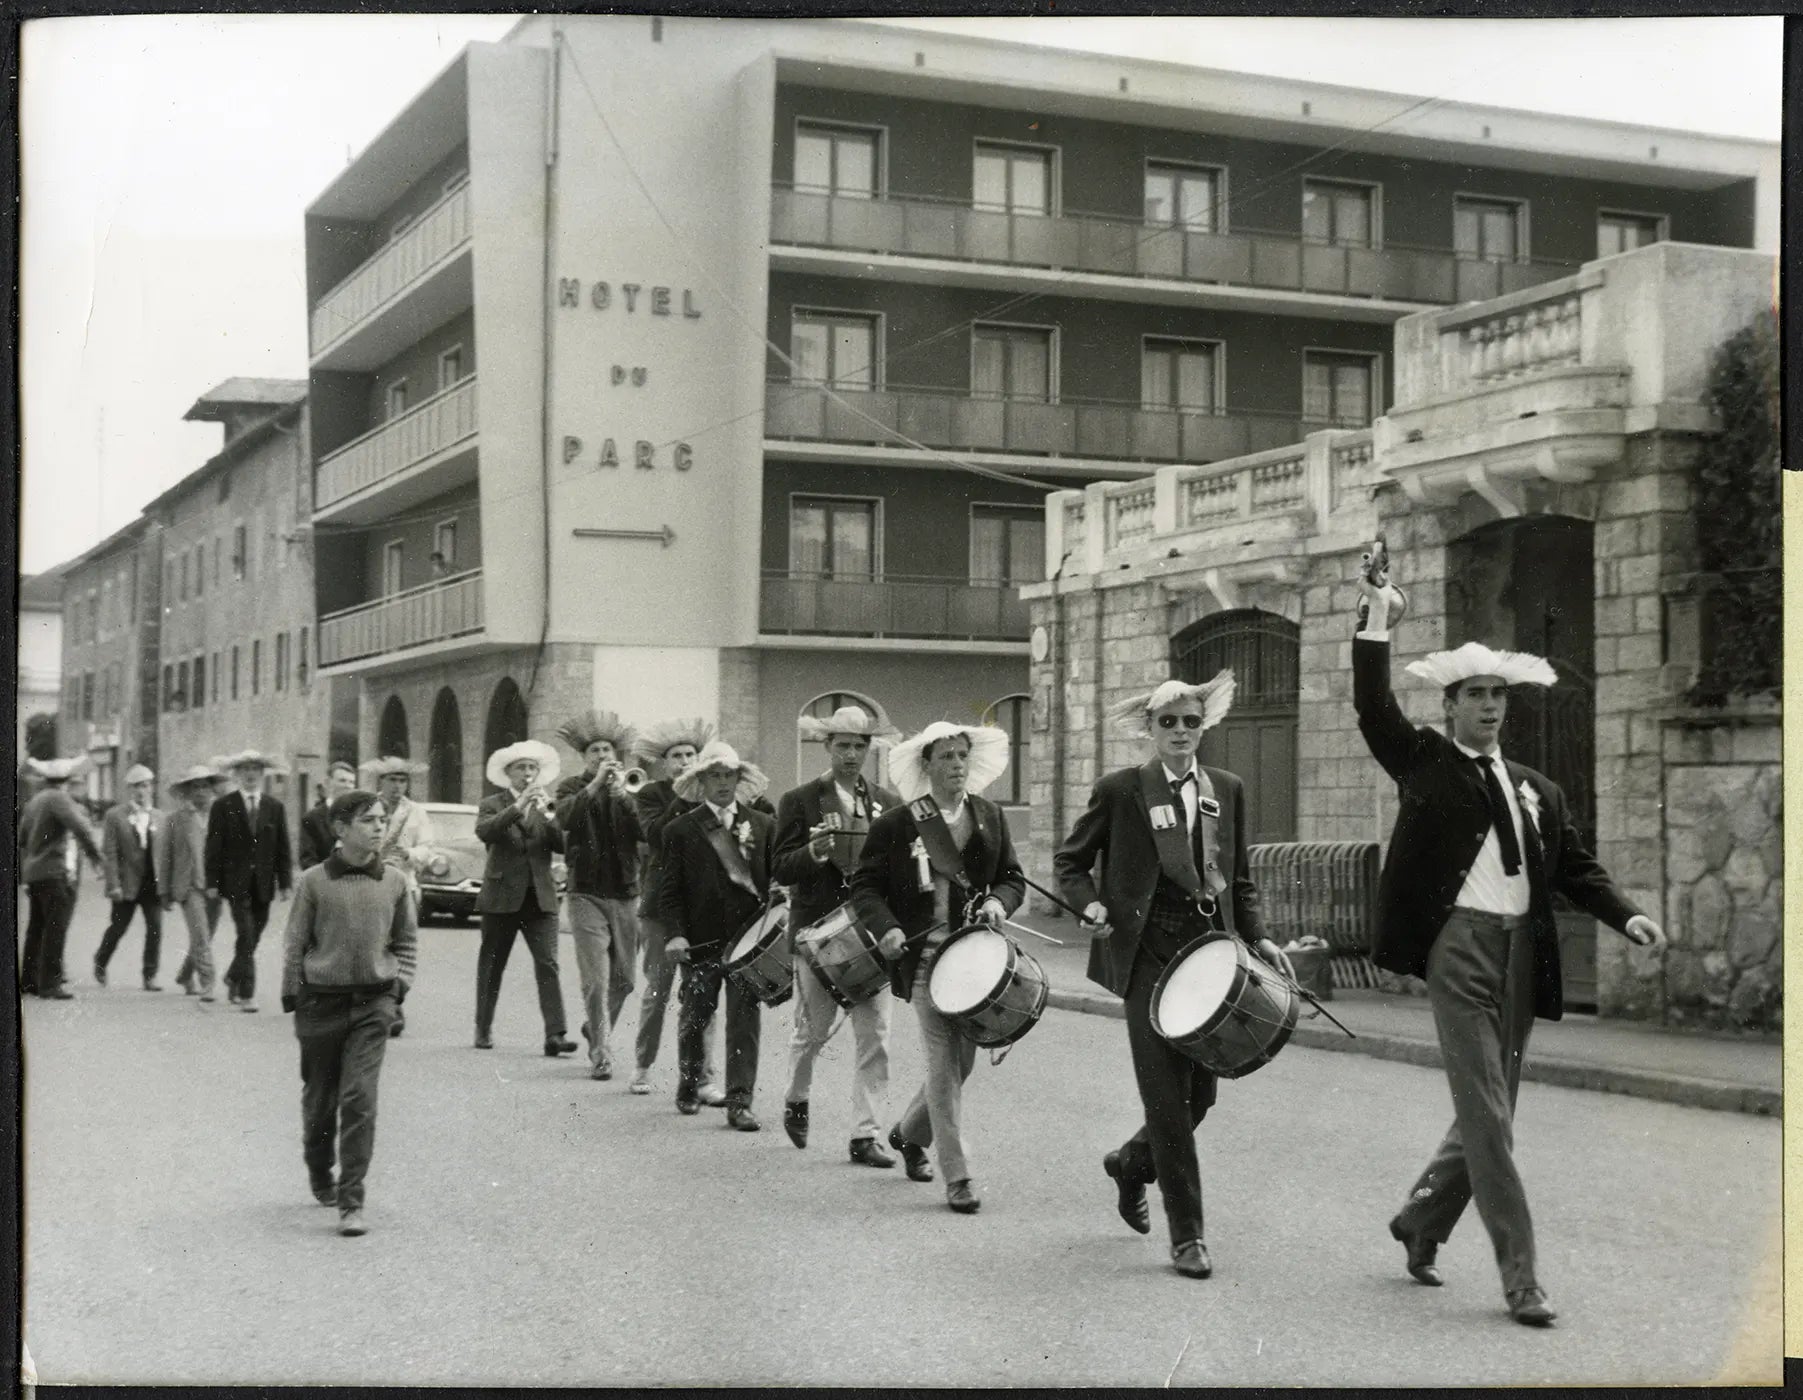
(1695, 1068)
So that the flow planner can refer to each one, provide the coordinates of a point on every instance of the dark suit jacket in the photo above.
(48, 820)
(697, 900)
(242, 864)
(658, 806)
(1118, 827)
(519, 857)
(816, 888)
(317, 839)
(127, 865)
(601, 837)
(886, 893)
(1440, 828)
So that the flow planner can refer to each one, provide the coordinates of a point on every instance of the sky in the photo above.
(163, 206)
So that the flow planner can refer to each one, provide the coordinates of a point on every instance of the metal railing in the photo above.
(942, 609)
(441, 422)
(1096, 428)
(433, 612)
(936, 228)
(1327, 888)
(435, 235)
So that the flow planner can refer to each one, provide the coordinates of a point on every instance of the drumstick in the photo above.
(1035, 932)
(1078, 914)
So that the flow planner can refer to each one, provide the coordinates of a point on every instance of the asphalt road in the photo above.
(531, 1227)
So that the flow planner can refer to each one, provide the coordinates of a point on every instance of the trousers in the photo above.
(250, 916)
(202, 917)
(52, 905)
(700, 999)
(1480, 975)
(343, 1038)
(123, 909)
(815, 1023)
(654, 1001)
(606, 935)
(936, 1114)
(539, 929)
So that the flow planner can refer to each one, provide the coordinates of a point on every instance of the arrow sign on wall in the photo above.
(665, 534)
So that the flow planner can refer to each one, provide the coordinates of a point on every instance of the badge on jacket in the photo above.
(1163, 818)
(1207, 806)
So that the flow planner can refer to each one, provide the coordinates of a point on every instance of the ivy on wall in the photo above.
(1739, 521)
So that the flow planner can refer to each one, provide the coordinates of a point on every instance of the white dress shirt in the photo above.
(724, 814)
(1487, 888)
(1189, 793)
(140, 823)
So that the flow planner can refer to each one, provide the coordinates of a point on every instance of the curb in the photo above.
(1684, 1090)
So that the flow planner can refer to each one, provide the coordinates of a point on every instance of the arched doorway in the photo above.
(1011, 713)
(444, 782)
(1257, 740)
(1529, 585)
(391, 736)
(507, 719)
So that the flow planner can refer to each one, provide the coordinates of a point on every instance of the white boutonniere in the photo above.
(743, 832)
(876, 808)
(1530, 802)
(923, 868)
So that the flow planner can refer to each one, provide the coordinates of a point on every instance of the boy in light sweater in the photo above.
(347, 962)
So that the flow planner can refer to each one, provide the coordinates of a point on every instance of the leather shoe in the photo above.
(351, 1223)
(1191, 1259)
(869, 1152)
(795, 1122)
(961, 1198)
(688, 1107)
(743, 1119)
(58, 994)
(1528, 1307)
(601, 1071)
(1131, 1202)
(556, 1045)
(484, 1041)
(152, 985)
(711, 1095)
(100, 974)
(919, 1169)
(325, 1191)
(1421, 1254)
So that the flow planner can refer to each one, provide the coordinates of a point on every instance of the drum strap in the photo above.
(732, 858)
(936, 836)
(1176, 857)
(1208, 827)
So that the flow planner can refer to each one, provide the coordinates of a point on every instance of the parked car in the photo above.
(451, 878)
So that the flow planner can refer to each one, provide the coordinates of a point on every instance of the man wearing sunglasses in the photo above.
(1172, 838)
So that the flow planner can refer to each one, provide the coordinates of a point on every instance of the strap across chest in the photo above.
(1171, 837)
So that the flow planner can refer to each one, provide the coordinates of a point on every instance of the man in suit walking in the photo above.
(182, 877)
(519, 894)
(716, 877)
(53, 833)
(317, 839)
(248, 861)
(938, 862)
(1480, 846)
(131, 843)
(820, 828)
(1172, 838)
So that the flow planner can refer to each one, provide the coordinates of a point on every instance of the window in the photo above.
(832, 538)
(1012, 179)
(838, 160)
(234, 672)
(1333, 212)
(216, 678)
(200, 682)
(392, 556)
(450, 367)
(835, 350)
(87, 695)
(181, 686)
(1491, 229)
(300, 665)
(169, 687)
(106, 691)
(217, 551)
(186, 562)
(168, 584)
(1011, 362)
(280, 676)
(444, 548)
(1007, 545)
(397, 398)
(1181, 196)
(256, 666)
(1182, 374)
(200, 570)
(1622, 233)
(240, 549)
(1012, 713)
(256, 550)
(1338, 388)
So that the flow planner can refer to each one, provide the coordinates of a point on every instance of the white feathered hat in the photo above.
(593, 725)
(196, 775)
(256, 758)
(378, 768)
(848, 719)
(57, 770)
(1446, 668)
(548, 762)
(717, 754)
(651, 746)
(1134, 714)
(988, 757)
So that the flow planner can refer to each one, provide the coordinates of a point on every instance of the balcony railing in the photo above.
(1121, 247)
(941, 609)
(1070, 428)
(438, 233)
(433, 612)
(440, 423)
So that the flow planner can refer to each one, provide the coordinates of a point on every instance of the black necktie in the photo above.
(1499, 815)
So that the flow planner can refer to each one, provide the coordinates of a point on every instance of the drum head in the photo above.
(1195, 987)
(967, 970)
(748, 942)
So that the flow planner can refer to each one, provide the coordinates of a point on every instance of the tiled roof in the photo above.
(236, 395)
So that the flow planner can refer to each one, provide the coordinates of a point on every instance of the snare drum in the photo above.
(988, 984)
(1223, 1007)
(842, 953)
(759, 963)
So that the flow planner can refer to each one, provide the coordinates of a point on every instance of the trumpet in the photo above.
(628, 780)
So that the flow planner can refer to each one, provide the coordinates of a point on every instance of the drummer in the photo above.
(1172, 836)
(820, 830)
(942, 861)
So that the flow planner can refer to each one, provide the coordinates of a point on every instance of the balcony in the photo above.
(436, 612)
(896, 607)
(1110, 247)
(425, 452)
(1085, 430)
(416, 282)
